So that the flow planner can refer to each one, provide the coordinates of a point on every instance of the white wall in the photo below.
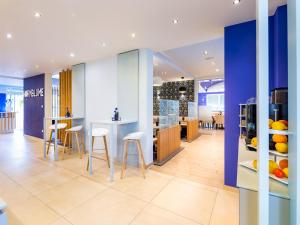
(78, 90)
(146, 102)
(101, 89)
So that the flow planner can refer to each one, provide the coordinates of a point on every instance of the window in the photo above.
(215, 101)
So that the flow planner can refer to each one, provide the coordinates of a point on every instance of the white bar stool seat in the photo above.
(98, 133)
(60, 126)
(76, 131)
(133, 137)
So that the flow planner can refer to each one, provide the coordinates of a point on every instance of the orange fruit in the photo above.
(284, 121)
(283, 163)
(278, 173)
(278, 138)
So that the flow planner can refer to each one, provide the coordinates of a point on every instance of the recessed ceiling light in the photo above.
(9, 36)
(37, 66)
(37, 15)
(103, 44)
(175, 21)
(217, 70)
(72, 55)
(205, 53)
(133, 35)
(236, 2)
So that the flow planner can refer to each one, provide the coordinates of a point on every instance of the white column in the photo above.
(146, 101)
(262, 95)
(294, 108)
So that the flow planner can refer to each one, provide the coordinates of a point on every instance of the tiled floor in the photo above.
(43, 192)
(201, 161)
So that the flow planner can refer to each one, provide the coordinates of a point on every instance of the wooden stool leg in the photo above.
(50, 140)
(143, 165)
(78, 146)
(88, 162)
(106, 151)
(124, 158)
(69, 145)
(65, 141)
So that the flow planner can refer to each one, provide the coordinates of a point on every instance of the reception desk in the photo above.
(7, 122)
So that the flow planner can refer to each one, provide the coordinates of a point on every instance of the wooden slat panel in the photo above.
(168, 142)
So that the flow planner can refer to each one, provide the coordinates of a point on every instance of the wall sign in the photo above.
(32, 93)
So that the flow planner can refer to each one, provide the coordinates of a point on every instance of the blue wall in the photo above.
(34, 107)
(240, 77)
(280, 48)
(2, 102)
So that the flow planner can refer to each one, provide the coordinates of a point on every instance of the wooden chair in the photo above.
(136, 138)
(99, 132)
(60, 126)
(76, 131)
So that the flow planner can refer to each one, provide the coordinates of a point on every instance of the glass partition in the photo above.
(168, 112)
(192, 110)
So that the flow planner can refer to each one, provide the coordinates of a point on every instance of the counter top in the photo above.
(64, 118)
(114, 122)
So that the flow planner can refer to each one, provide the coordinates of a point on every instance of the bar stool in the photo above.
(136, 138)
(73, 130)
(60, 126)
(99, 132)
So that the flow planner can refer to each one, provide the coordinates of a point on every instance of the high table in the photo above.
(56, 119)
(113, 140)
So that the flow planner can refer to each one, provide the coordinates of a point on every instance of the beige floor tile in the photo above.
(107, 208)
(191, 201)
(153, 215)
(226, 209)
(32, 212)
(65, 197)
(145, 189)
(46, 180)
(61, 221)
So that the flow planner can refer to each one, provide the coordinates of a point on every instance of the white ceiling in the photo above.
(81, 26)
(193, 62)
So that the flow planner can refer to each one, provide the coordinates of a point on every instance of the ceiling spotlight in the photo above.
(37, 15)
(133, 35)
(9, 36)
(37, 66)
(205, 53)
(217, 70)
(72, 55)
(103, 44)
(236, 2)
(175, 21)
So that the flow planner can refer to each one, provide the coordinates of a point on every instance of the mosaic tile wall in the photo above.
(170, 90)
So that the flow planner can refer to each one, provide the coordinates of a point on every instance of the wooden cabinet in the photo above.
(192, 130)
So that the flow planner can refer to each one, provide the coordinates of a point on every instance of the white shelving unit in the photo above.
(242, 116)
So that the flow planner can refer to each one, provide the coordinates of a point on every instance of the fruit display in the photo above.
(284, 163)
(254, 142)
(278, 173)
(286, 172)
(278, 138)
(284, 122)
(270, 123)
(272, 166)
(281, 147)
(279, 126)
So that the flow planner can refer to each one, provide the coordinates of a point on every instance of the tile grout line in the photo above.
(212, 211)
